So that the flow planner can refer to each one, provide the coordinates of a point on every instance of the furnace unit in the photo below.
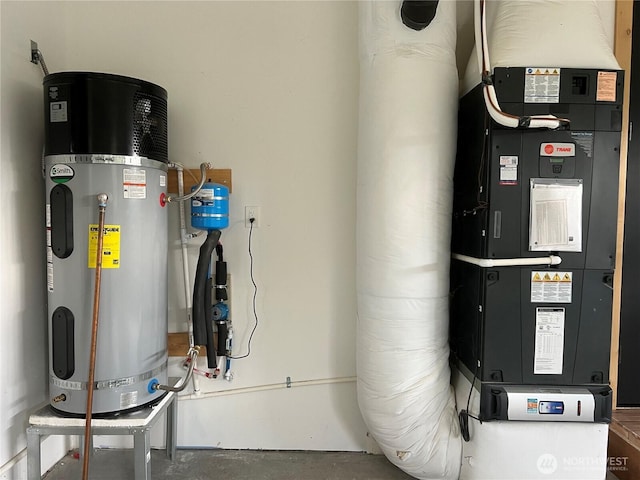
(534, 232)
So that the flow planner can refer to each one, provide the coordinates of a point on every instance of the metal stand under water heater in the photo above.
(534, 233)
(106, 134)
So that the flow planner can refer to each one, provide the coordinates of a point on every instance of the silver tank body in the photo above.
(132, 332)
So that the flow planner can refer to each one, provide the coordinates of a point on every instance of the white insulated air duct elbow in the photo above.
(406, 154)
(539, 33)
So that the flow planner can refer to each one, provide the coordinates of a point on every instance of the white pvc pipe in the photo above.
(508, 262)
(185, 270)
(272, 386)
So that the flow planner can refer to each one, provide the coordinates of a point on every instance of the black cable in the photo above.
(463, 416)
(255, 294)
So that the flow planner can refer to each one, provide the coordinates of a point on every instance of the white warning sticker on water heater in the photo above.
(58, 112)
(549, 345)
(134, 183)
(128, 399)
(50, 277)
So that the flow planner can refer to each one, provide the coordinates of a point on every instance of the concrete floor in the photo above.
(110, 464)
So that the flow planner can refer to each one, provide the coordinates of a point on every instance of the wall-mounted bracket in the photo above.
(38, 58)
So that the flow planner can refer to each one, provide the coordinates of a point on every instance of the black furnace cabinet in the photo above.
(528, 193)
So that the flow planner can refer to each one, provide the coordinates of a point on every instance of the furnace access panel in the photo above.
(522, 193)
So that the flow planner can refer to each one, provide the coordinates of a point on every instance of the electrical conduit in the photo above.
(406, 154)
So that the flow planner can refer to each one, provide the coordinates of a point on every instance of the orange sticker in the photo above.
(606, 91)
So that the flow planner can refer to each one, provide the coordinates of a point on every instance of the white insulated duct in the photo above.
(542, 33)
(406, 154)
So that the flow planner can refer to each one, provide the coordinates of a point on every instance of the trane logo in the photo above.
(557, 150)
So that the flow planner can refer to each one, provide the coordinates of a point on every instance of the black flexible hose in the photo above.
(212, 360)
(199, 288)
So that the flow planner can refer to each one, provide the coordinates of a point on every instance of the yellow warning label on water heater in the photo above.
(110, 246)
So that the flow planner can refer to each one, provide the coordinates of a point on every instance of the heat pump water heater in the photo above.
(106, 134)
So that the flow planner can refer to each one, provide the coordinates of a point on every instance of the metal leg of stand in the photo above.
(171, 430)
(142, 454)
(81, 448)
(33, 454)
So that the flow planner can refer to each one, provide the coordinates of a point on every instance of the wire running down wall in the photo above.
(408, 105)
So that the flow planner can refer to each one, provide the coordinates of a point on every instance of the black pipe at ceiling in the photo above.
(418, 15)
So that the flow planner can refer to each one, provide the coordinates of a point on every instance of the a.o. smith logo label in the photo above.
(61, 173)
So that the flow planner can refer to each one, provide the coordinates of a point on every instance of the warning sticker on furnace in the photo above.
(542, 85)
(606, 91)
(134, 183)
(551, 287)
(110, 246)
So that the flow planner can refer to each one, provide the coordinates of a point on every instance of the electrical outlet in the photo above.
(249, 213)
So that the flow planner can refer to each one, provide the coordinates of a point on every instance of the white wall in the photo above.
(23, 327)
(268, 89)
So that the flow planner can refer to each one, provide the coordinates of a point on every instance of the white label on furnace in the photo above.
(134, 183)
(551, 287)
(542, 85)
(549, 346)
(555, 218)
(508, 169)
(58, 112)
(128, 399)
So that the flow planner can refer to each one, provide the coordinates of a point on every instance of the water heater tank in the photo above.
(106, 134)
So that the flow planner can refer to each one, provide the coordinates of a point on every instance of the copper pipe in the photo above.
(102, 206)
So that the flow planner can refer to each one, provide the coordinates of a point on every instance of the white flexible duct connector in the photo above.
(406, 154)
(540, 33)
